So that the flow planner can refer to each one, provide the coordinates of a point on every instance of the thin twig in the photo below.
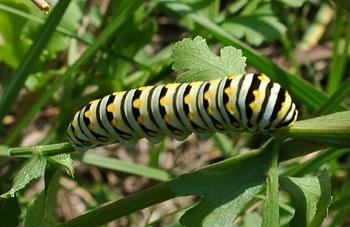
(42, 5)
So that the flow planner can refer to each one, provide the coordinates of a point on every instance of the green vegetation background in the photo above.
(83, 50)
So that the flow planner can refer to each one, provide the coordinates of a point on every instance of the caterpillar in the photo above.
(249, 102)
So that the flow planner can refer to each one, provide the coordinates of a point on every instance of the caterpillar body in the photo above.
(249, 102)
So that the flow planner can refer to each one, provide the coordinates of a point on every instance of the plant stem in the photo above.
(44, 150)
(271, 208)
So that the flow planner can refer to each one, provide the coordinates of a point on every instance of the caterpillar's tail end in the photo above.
(289, 120)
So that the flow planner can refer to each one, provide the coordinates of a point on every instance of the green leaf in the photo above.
(262, 25)
(41, 211)
(30, 171)
(10, 211)
(65, 161)
(199, 63)
(311, 197)
(225, 191)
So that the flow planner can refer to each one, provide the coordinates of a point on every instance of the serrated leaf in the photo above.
(311, 198)
(225, 192)
(65, 161)
(262, 25)
(30, 171)
(10, 212)
(199, 63)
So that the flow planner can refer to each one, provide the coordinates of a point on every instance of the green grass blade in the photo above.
(115, 164)
(315, 163)
(335, 99)
(126, 9)
(299, 89)
(16, 81)
(224, 144)
(338, 55)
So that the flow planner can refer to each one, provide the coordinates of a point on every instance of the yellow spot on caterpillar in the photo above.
(229, 108)
(87, 114)
(210, 111)
(207, 95)
(140, 119)
(76, 133)
(252, 106)
(170, 85)
(137, 103)
(110, 108)
(187, 99)
(263, 77)
(191, 116)
(115, 122)
(91, 126)
(74, 123)
(228, 91)
(231, 77)
(256, 93)
(282, 111)
(164, 101)
(167, 118)
(142, 88)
